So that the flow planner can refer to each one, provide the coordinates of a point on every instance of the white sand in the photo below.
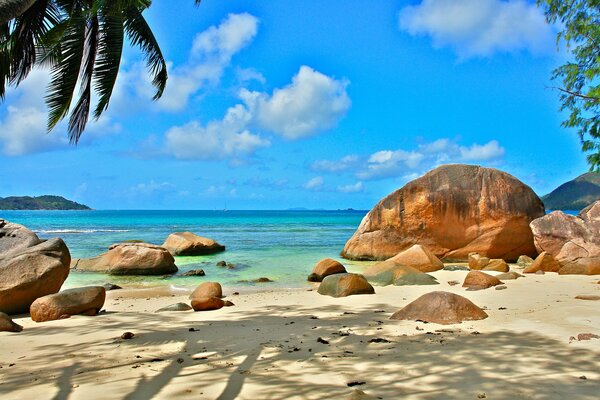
(265, 347)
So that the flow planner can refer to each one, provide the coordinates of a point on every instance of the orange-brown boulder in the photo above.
(453, 210)
(130, 259)
(342, 285)
(477, 280)
(30, 273)
(326, 267)
(418, 257)
(207, 303)
(496, 264)
(544, 262)
(8, 325)
(190, 244)
(440, 308)
(80, 301)
(207, 290)
(477, 262)
(574, 241)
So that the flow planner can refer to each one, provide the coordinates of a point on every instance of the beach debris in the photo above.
(8, 325)
(79, 301)
(326, 267)
(524, 261)
(355, 383)
(379, 340)
(130, 259)
(440, 308)
(111, 286)
(190, 244)
(259, 280)
(544, 262)
(194, 272)
(321, 340)
(454, 210)
(453, 283)
(175, 307)
(456, 268)
(476, 280)
(540, 272)
(236, 293)
(587, 297)
(389, 272)
(342, 285)
(477, 262)
(501, 287)
(127, 335)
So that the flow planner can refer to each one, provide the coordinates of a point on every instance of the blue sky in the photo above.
(319, 104)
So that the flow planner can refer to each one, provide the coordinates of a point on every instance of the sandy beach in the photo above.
(266, 347)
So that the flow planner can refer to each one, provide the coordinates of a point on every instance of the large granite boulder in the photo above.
(130, 259)
(440, 308)
(418, 257)
(453, 210)
(8, 325)
(574, 241)
(27, 274)
(15, 237)
(477, 280)
(190, 244)
(80, 301)
(390, 273)
(342, 285)
(326, 267)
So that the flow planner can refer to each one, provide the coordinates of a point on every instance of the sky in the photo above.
(317, 104)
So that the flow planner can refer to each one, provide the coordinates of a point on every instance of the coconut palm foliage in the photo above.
(81, 41)
(580, 77)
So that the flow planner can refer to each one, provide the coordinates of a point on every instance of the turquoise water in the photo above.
(280, 245)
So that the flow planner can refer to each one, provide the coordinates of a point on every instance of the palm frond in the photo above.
(141, 35)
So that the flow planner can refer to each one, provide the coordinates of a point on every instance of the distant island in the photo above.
(39, 203)
(576, 194)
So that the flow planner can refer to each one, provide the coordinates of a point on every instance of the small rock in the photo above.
(456, 268)
(355, 383)
(8, 325)
(501, 287)
(111, 286)
(587, 336)
(175, 307)
(222, 264)
(127, 335)
(321, 340)
(587, 297)
(194, 272)
(453, 283)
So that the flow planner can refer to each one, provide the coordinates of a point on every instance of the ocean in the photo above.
(280, 245)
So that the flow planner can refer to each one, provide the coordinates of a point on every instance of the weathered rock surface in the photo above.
(477, 280)
(509, 276)
(27, 274)
(326, 267)
(207, 303)
(418, 257)
(453, 210)
(207, 289)
(342, 285)
(574, 241)
(477, 262)
(130, 259)
(389, 273)
(544, 262)
(175, 307)
(194, 272)
(80, 301)
(190, 244)
(15, 237)
(8, 325)
(497, 265)
(524, 261)
(440, 308)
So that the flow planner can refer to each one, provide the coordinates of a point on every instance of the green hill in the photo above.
(39, 203)
(576, 194)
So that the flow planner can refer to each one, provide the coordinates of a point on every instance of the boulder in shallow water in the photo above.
(15, 238)
(342, 285)
(440, 308)
(130, 259)
(453, 210)
(30, 273)
(8, 325)
(190, 244)
(476, 280)
(194, 272)
(544, 262)
(80, 301)
(207, 289)
(326, 267)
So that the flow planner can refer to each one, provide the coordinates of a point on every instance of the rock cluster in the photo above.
(326, 267)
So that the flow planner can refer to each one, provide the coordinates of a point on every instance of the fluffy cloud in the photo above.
(480, 27)
(405, 163)
(314, 183)
(311, 104)
(355, 188)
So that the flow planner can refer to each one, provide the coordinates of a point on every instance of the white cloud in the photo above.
(314, 183)
(387, 163)
(152, 187)
(480, 27)
(311, 104)
(488, 151)
(345, 164)
(355, 188)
